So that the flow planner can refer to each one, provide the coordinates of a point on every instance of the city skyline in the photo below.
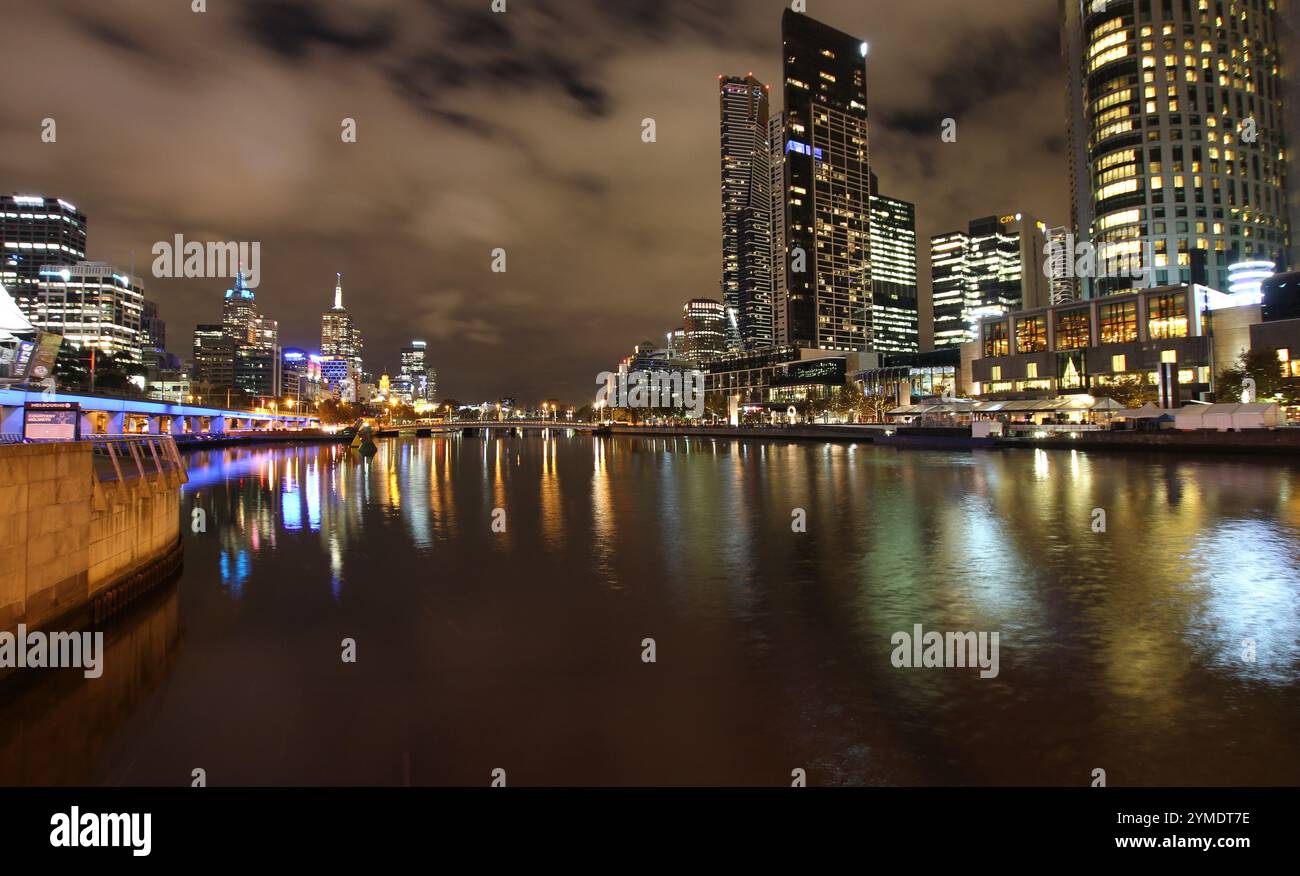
(421, 268)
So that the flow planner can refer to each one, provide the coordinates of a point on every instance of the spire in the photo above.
(338, 291)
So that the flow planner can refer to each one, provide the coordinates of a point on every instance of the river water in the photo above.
(1164, 650)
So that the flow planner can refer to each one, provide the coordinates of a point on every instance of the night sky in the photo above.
(478, 130)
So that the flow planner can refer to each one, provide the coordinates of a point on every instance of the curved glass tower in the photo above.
(1176, 130)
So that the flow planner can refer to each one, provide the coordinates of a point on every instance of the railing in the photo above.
(122, 457)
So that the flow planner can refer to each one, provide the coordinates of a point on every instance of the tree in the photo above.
(876, 406)
(1131, 391)
(333, 412)
(849, 401)
(1263, 367)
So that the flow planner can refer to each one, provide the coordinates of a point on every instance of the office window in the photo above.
(1031, 370)
(1119, 364)
(1073, 329)
(1117, 322)
(1167, 316)
(1031, 334)
(996, 340)
(995, 373)
(1170, 356)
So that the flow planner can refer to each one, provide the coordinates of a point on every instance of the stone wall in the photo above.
(65, 537)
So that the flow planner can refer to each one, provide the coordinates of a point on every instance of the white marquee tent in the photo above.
(1259, 415)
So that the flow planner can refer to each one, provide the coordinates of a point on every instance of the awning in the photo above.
(12, 321)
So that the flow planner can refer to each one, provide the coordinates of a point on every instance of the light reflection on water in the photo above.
(1119, 649)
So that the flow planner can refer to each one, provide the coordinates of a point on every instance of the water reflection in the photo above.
(1121, 648)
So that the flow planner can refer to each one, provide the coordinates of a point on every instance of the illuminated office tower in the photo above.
(776, 167)
(415, 370)
(948, 283)
(1176, 138)
(339, 336)
(827, 187)
(995, 266)
(37, 232)
(704, 322)
(893, 275)
(1061, 260)
(746, 211)
(213, 364)
(93, 304)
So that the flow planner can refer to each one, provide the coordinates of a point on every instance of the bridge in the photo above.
(434, 427)
(105, 415)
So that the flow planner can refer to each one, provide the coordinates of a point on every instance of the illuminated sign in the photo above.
(51, 421)
(803, 149)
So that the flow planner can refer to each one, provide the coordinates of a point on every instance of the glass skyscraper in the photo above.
(1176, 138)
(893, 275)
(746, 212)
(37, 232)
(827, 258)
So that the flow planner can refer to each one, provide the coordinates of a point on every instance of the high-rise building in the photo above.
(746, 211)
(213, 362)
(704, 321)
(1061, 259)
(255, 340)
(37, 232)
(92, 304)
(827, 187)
(948, 283)
(339, 336)
(300, 376)
(996, 266)
(776, 167)
(415, 370)
(239, 312)
(1176, 136)
(893, 276)
(431, 382)
(153, 339)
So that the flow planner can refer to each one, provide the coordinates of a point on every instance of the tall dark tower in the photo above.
(38, 232)
(827, 187)
(746, 212)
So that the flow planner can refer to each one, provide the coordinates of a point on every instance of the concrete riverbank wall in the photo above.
(84, 526)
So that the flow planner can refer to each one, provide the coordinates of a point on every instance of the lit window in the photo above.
(1284, 355)
(1031, 370)
(1118, 364)
(1169, 356)
(996, 373)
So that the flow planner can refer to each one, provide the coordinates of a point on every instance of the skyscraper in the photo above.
(746, 211)
(704, 322)
(213, 362)
(893, 275)
(1176, 136)
(1061, 257)
(339, 336)
(948, 282)
(995, 266)
(827, 187)
(415, 370)
(254, 341)
(776, 167)
(37, 232)
(92, 304)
